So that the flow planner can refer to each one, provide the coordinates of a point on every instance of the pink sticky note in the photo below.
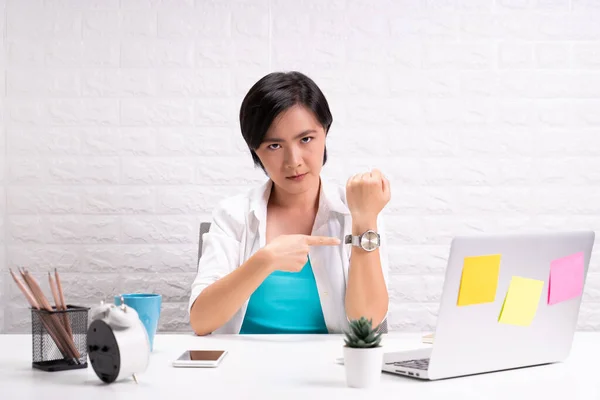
(566, 278)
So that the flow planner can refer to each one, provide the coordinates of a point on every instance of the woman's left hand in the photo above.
(367, 194)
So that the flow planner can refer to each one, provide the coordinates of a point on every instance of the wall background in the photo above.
(119, 131)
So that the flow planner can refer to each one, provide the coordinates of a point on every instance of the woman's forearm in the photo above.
(221, 300)
(366, 294)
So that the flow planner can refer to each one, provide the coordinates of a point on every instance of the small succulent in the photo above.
(361, 334)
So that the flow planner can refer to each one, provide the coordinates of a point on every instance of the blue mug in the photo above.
(148, 307)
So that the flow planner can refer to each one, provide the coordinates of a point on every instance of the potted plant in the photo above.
(363, 354)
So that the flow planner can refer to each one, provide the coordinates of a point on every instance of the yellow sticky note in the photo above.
(521, 301)
(479, 280)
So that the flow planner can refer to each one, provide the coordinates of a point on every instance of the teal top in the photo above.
(286, 302)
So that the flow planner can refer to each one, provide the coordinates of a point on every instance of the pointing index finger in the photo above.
(322, 241)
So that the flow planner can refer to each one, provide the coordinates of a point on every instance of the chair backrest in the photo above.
(204, 227)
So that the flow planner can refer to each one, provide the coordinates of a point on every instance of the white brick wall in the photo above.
(119, 130)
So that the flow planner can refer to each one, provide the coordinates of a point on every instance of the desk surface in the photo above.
(291, 367)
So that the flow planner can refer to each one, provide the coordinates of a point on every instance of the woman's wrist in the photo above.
(263, 261)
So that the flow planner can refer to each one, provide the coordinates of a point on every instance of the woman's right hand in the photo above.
(290, 252)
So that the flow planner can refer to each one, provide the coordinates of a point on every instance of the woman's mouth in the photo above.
(296, 178)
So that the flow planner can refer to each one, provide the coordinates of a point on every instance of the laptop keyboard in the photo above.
(421, 364)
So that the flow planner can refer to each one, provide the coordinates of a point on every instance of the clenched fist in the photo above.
(367, 194)
(290, 252)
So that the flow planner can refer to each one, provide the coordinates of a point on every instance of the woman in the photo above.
(275, 259)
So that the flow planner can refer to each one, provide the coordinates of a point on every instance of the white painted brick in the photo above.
(312, 5)
(574, 26)
(151, 171)
(193, 199)
(43, 200)
(197, 83)
(416, 288)
(553, 55)
(385, 112)
(216, 112)
(118, 200)
(83, 229)
(218, 171)
(114, 24)
(23, 171)
(26, 229)
(17, 317)
(432, 26)
(130, 141)
(223, 53)
(139, 24)
(418, 259)
(24, 53)
(64, 112)
(118, 83)
(585, 5)
(43, 24)
(249, 23)
(40, 258)
(174, 317)
(551, 143)
(367, 83)
(586, 113)
(156, 112)
(174, 287)
(203, 141)
(290, 25)
(147, 53)
(504, 26)
(87, 5)
(415, 317)
(138, 258)
(139, 4)
(42, 83)
(74, 53)
(589, 317)
(515, 56)
(27, 142)
(159, 229)
(586, 55)
(89, 170)
(454, 56)
(178, 23)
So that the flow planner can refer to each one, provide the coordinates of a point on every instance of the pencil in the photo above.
(43, 302)
(59, 305)
(35, 305)
(62, 300)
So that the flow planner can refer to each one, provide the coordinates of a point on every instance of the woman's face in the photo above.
(294, 145)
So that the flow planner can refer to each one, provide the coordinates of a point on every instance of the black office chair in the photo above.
(205, 226)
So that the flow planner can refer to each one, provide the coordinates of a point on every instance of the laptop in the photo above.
(481, 332)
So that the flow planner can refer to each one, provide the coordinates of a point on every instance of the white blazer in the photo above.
(238, 230)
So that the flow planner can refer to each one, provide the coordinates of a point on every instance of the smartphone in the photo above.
(200, 358)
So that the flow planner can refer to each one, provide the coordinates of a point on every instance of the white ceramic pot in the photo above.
(363, 366)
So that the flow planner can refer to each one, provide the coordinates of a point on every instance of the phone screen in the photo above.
(202, 355)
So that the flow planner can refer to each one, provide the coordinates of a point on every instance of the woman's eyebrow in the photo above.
(298, 136)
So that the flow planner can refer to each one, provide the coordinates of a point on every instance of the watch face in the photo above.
(369, 241)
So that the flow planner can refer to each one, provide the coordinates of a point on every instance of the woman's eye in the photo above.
(271, 146)
(305, 139)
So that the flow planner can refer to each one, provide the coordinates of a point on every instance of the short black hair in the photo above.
(273, 94)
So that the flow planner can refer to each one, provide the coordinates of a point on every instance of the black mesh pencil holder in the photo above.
(59, 338)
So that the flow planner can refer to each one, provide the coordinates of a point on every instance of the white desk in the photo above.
(290, 367)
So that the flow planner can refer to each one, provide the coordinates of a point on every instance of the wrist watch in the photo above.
(368, 241)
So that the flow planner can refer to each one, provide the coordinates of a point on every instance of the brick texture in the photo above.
(119, 131)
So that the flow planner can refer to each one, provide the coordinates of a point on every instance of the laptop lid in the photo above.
(496, 311)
